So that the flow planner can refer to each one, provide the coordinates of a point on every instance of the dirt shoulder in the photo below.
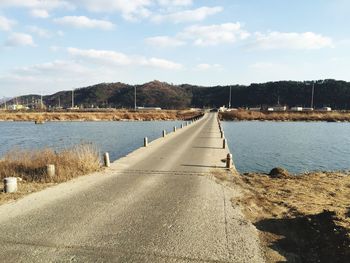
(115, 115)
(301, 218)
(245, 115)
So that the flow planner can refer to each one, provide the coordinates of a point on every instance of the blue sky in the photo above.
(52, 45)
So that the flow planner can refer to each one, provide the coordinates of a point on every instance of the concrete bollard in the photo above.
(224, 144)
(51, 170)
(10, 185)
(222, 134)
(187, 123)
(164, 133)
(229, 161)
(145, 142)
(182, 126)
(175, 129)
(106, 160)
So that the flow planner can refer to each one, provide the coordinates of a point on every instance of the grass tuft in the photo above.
(30, 165)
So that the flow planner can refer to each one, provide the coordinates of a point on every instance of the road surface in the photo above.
(158, 204)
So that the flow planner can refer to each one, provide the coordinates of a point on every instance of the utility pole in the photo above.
(229, 102)
(135, 97)
(41, 101)
(59, 101)
(72, 98)
(312, 95)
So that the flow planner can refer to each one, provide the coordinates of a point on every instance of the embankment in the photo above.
(113, 115)
(245, 115)
(301, 218)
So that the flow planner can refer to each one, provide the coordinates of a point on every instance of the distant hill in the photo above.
(333, 93)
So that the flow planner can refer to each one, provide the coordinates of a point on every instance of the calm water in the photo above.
(297, 146)
(117, 138)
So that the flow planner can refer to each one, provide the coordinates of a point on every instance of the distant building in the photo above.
(222, 109)
(308, 109)
(149, 108)
(17, 107)
(255, 109)
(296, 109)
(326, 109)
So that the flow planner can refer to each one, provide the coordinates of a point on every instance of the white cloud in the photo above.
(194, 15)
(131, 9)
(37, 4)
(165, 41)
(112, 58)
(175, 2)
(40, 13)
(215, 34)
(6, 24)
(105, 57)
(84, 22)
(205, 66)
(19, 39)
(57, 67)
(161, 63)
(278, 40)
(211, 35)
(39, 31)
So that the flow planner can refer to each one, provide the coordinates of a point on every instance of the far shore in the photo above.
(115, 115)
(246, 115)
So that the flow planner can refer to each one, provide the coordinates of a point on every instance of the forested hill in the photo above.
(333, 93)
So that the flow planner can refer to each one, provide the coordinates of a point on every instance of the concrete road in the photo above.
(155, 205)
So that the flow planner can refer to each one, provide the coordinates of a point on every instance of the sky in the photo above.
(52, 45)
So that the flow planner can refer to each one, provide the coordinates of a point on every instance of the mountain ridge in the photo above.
(330, 92)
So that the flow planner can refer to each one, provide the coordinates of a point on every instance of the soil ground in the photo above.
(301, 218)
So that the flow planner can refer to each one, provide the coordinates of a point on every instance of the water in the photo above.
(296, 146)
(117, 138)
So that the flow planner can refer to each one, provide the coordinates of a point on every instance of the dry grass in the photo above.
(30, 165)
(113, 115)
(304, 218)
(241, 115)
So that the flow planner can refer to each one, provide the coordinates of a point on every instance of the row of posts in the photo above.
(224, 145)
(10, 183)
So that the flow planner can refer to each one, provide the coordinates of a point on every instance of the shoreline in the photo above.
(314, 116)
(118, 115)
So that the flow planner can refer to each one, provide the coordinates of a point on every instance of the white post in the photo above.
(145, 142)
(10, 185)
(182, 126)
(174, 128)
(229, 161)
(51, 170)
(164, 133)
(107, 162)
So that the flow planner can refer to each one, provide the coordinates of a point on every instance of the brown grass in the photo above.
(113, 115)
(30, 165)
(304, 218)
(241, 115)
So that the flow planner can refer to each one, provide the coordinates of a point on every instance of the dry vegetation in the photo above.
(241, 115)
(301, 218)
(113, 115)
(30, 167)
